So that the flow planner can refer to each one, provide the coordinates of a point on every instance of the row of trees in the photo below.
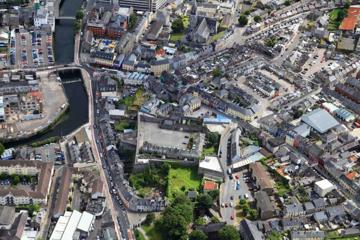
(78, 21)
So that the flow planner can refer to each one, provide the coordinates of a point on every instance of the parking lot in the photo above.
(31, 49)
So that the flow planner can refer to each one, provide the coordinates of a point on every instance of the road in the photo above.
(88, 84)
(228, 186)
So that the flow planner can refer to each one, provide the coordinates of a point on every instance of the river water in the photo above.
(75, 91)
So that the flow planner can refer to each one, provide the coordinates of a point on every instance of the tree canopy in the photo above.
(176, 218)
(79, 15)
(243, 20)
(229, 232)
(257, 19)
(178, 26)
(204, 201)
(132, 20)
(198, 235)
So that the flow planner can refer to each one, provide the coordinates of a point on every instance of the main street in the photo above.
(88, 84)
(228, 187)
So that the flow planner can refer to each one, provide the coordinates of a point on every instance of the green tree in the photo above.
(347, 4)
(77, 26)
(214, 194)
(79, 15)
(173, 224)
(229, 232)
(287, 3)
(132, 20)
(204, 201)
(149, 219)
(200, 221)
(178, 26)
(243, 20)
(216, 72)
(214, 219)
(15, 179)
(253, 214)
(176, 218)
(4, 176)
(213, 138)
(2, 148)
(247, 12)
(257, 19)
(198, 235)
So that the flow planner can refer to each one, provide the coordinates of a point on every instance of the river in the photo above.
(75, 91)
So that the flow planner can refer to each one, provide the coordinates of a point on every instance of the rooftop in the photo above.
(210, 185)
(324, 184)
(211, 163)
(348, 24)
(320, 120)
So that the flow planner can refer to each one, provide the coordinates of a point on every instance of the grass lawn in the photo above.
(174, 37)
(218, 36)
(152, 232)
(209, 151)
(282, 188)
(133, 103)
(180, 179)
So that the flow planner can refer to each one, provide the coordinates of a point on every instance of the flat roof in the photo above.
(251, 159)
(211, 163)
(324, 184)
(71, 226)
(60, 226)
(320, 120)
(86, 221)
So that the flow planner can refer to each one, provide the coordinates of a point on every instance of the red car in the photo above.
(236, 176)
(226, 205)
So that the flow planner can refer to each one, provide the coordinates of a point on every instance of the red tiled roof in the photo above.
(210, 185)
(351, 175)
(349, 23)
(354, 11)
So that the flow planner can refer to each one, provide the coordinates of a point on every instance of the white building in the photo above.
(323, 187)
(72, 224)
(41, 17)
(2, 109)
(116, 114)
(211, 169)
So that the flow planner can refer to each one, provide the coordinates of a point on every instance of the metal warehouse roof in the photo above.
(320, 120)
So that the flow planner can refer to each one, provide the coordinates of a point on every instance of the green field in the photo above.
(182, 179)
(134, 102)
(151, 232)
(174, 37)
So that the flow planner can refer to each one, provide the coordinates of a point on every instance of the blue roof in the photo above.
(219, 119)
